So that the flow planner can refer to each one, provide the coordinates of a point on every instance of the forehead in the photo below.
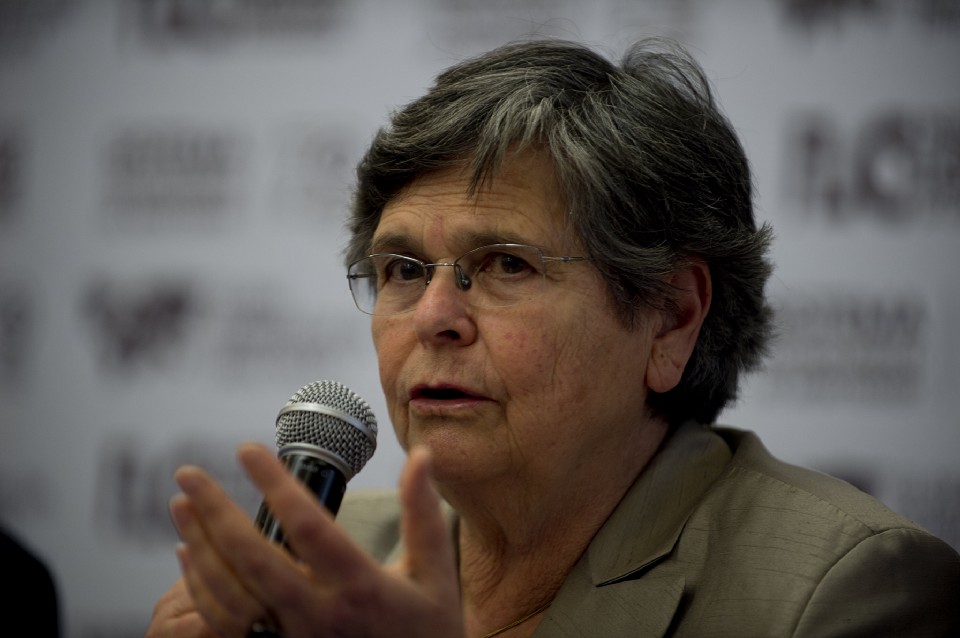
(521, 203)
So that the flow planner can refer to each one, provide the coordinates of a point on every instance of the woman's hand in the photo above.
(233, 576)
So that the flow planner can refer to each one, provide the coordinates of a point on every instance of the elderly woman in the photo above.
(566, 281)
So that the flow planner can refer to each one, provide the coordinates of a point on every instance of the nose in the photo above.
(443, 315)
(460, 277)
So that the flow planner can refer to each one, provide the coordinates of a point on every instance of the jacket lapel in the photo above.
(641, 607)
(615, 590)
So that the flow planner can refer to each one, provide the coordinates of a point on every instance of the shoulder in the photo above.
(755, 474)
(809, 553)
(372, 519)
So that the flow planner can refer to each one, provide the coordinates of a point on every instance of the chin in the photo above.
(457, 456)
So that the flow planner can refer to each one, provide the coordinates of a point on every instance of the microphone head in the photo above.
(329, 416)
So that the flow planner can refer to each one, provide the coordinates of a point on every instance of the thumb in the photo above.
(429, 545)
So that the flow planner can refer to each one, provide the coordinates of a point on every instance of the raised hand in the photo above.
(233, 577)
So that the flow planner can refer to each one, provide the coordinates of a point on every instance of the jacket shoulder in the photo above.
(791, 551)
(372, 519)
(754, 468)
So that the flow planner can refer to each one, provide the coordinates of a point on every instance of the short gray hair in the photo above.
(653, 175)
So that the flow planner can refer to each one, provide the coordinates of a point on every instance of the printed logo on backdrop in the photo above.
(135, 483)
(313, 171)
(846, 346)
(25, 23)
(209, 22)
(898, 167)
(284, 329)
(141, 325)
(481, 24)
(819, 15)
(16, 332)
(11, 173)
(171, 175)
(214, 331)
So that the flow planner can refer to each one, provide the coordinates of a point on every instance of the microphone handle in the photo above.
(324, 480)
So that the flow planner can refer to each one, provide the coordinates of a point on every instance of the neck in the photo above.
(516, 552)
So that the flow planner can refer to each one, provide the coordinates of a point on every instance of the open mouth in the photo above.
(440, 394)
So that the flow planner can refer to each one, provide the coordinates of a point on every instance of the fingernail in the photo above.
(180, 511)
(183, 555)
(187, 479)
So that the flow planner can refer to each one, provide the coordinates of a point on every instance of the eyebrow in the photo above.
(400, 243)
(392, 243)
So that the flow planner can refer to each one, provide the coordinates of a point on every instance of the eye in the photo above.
(504, 264)
(399, 269)
(510, 264)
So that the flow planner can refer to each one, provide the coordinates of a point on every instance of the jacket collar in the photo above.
(605, 595)
(646, 524)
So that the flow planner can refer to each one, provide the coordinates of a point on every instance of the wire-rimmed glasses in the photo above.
(496, 276)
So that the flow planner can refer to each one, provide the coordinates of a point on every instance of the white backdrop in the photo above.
(173, 177)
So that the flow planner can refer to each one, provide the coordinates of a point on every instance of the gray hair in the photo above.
(652, 171)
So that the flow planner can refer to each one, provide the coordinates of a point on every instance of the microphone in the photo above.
(325, 435)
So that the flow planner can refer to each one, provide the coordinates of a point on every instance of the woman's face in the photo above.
(528, 391)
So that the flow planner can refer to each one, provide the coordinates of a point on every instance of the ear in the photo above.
(680, 326)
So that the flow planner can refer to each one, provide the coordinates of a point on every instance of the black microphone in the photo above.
(325, 435)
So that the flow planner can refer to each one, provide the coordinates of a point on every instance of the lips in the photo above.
(442, 392)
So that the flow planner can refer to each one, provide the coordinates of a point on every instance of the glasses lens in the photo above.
(504, 274)
(386, 284)
(363, 284)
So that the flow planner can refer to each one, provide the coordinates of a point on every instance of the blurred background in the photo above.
(173, 183)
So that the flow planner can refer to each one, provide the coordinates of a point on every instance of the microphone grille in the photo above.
(330, 416)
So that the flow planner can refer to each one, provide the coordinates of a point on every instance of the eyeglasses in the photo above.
(499, 275)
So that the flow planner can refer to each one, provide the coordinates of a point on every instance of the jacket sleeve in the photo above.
(900, 582)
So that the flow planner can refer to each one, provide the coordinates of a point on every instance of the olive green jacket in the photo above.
(718, 538)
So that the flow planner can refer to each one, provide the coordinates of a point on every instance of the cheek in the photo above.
(532, 360)
(390, 358)
(389, 349)
(518, 353)
(568, 361)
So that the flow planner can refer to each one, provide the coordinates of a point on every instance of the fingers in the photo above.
(234, 575)
(214, 531)
(307, 525)
(331, 556)
(430, 555)
(232, 572)
(174, 616)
